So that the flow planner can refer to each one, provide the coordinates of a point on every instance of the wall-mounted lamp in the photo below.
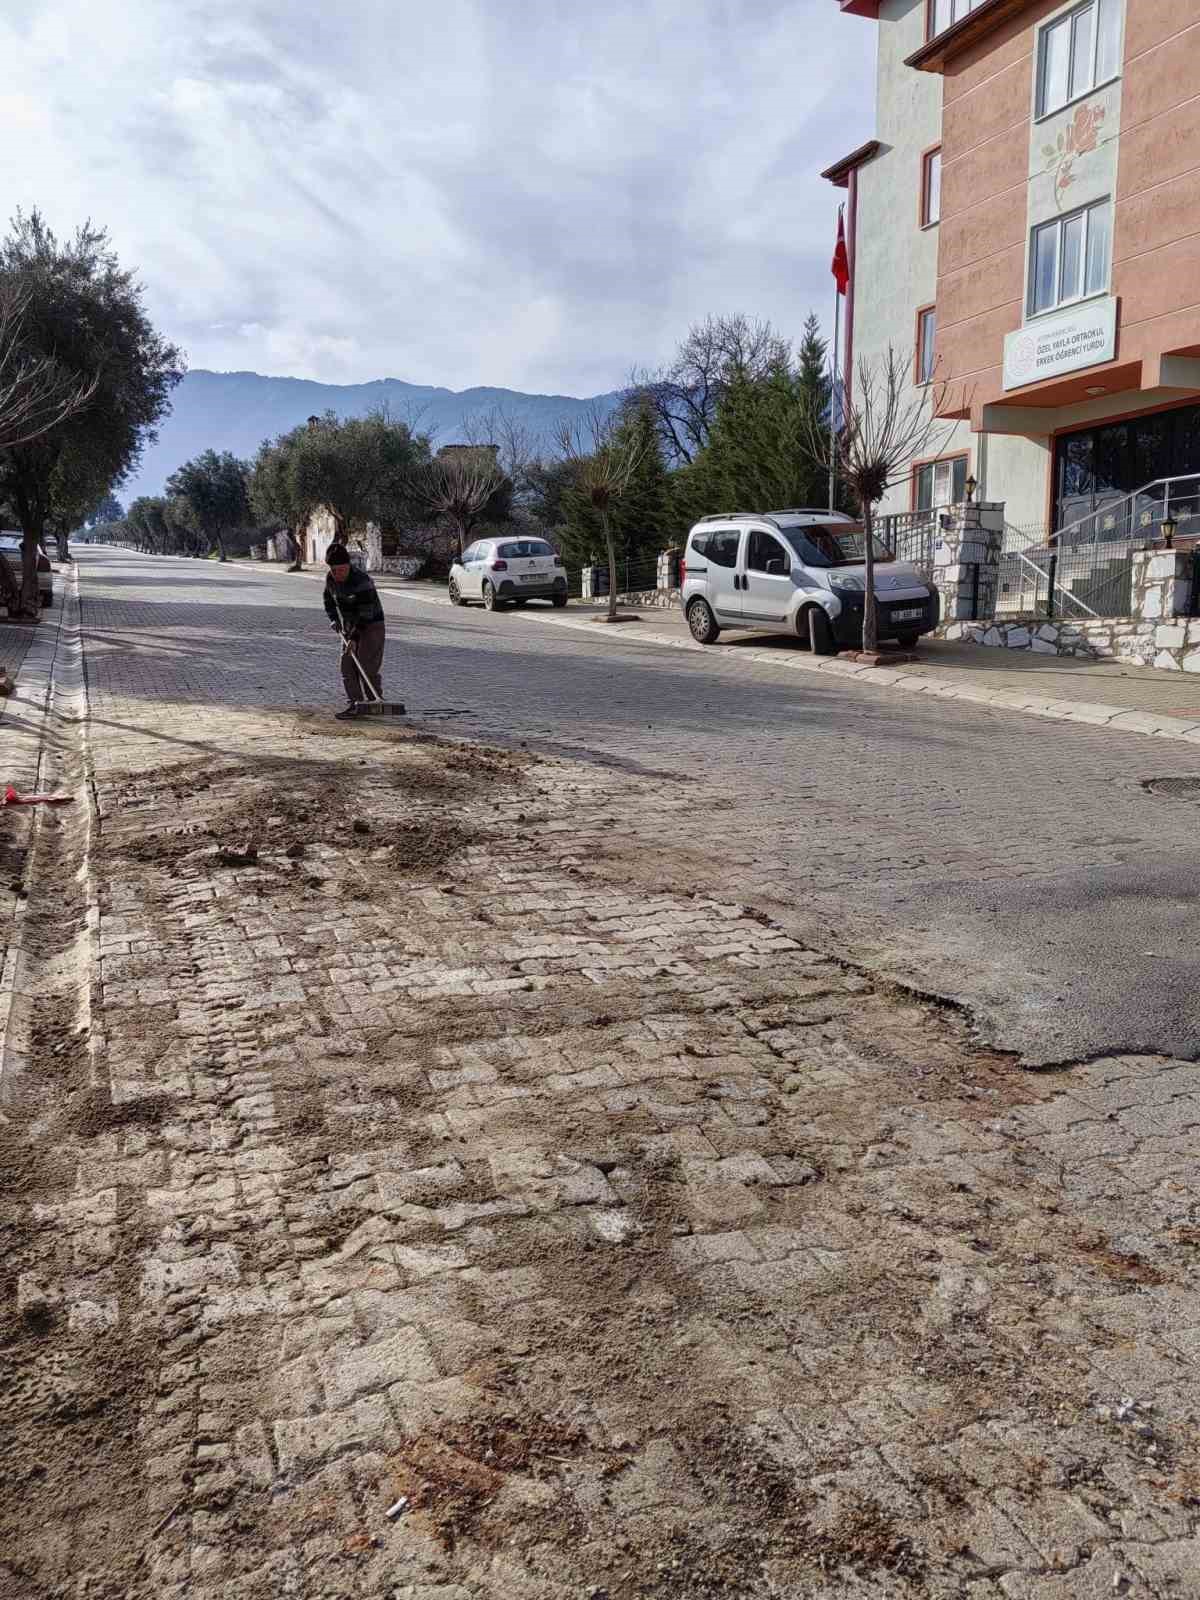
(1170, 527)
(971, 485)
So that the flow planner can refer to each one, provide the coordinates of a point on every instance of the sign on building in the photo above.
(1082, 336)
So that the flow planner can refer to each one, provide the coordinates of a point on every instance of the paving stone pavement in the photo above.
(1017, 865)
(434, 1149)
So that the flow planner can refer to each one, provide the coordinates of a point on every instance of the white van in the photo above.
(800, 572)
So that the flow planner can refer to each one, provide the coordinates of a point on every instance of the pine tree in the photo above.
(813, 371)
(642, 517)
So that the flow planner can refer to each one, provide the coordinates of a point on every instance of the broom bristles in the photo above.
(380, 708)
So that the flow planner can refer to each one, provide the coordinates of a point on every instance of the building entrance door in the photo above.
(1098, 468)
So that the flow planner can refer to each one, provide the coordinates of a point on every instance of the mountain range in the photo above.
(238, 410)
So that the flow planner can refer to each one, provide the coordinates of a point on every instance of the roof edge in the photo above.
(839, 173)
(976, 25)
(861, 8)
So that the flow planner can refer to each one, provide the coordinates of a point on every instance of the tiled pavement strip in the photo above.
(644, 1250)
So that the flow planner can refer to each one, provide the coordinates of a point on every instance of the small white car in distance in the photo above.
(502, 572)
(800, 572)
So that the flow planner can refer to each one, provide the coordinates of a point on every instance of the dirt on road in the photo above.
(420, 1200)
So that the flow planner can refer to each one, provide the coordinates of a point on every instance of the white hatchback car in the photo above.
(501, 572)
(798, 572)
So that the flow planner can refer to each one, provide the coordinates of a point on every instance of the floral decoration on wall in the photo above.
(1076, 139)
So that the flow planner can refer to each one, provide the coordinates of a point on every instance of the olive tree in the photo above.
(84, 313)
(214, 488)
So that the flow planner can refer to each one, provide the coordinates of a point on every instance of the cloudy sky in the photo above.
(533, 193)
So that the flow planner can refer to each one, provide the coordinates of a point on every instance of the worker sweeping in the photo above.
(353, 607)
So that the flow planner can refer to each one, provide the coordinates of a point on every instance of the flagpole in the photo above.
(833, 390)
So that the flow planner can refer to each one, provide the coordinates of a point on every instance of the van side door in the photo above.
(722, 549)
(767, 586)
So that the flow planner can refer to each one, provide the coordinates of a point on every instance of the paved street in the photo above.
(1015, 864)
(505, 1168)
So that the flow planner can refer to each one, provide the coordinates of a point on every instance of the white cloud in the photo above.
(472, 192)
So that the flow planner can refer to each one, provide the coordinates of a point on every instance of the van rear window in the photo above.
(722, 548)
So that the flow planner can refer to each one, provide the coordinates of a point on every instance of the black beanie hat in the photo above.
(337, 556)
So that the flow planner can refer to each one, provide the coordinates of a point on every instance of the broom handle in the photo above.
(345, 637)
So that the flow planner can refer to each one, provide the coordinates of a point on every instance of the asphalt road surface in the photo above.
(1017, 866)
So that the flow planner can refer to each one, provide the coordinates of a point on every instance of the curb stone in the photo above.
(37, 682)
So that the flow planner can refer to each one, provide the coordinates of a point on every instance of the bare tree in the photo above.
(36, 394)
(459, 485)
(684, 394)
(889, 425)
(516, 445)
(604, 457)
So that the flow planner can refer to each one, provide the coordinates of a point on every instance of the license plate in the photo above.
(533, 577)
(908, 616)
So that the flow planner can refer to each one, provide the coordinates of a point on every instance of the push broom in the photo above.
(372, 706)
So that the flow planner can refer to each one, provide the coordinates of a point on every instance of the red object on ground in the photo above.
(840, 265)
(12, 798)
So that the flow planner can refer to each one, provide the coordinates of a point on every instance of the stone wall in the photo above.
(966, 556)
(1171, 646)
(1159, 633)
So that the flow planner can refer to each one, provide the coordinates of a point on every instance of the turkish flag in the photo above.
(840, 265)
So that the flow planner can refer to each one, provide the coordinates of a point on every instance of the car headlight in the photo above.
(848, 586)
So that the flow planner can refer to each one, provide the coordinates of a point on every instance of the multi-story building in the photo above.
(1027, 219)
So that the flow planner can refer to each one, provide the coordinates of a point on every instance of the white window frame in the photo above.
(1060, 223)
(1067, 20)
(958, 10)
(926, 347)
(931, 216)
(958, 464)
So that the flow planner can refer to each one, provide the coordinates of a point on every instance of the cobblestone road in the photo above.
(465, 1189)
(1003, 861)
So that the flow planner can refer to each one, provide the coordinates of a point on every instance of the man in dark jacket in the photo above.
(353, 607)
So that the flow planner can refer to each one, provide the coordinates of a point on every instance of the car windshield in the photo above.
(839, 545)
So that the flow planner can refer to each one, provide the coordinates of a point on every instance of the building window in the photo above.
(931, 188)
(943, 14)
(1078, 52)
(940, 483)
(1068, 258)
(926, 337)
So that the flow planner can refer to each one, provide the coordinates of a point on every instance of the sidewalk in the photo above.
(431, 1220)
(1107, 694)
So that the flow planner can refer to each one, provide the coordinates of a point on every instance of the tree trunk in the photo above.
(610, 546)
(221, 556)
(297, 551)
(64, 553)
(870, 639)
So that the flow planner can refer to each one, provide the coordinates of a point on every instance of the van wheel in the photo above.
(820, 635)
(908, 641)
(704, 626)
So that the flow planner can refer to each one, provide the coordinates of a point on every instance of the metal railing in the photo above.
(1138, 515)
(912, 535)
(1083, 584)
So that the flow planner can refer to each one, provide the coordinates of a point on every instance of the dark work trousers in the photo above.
(368, 647)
